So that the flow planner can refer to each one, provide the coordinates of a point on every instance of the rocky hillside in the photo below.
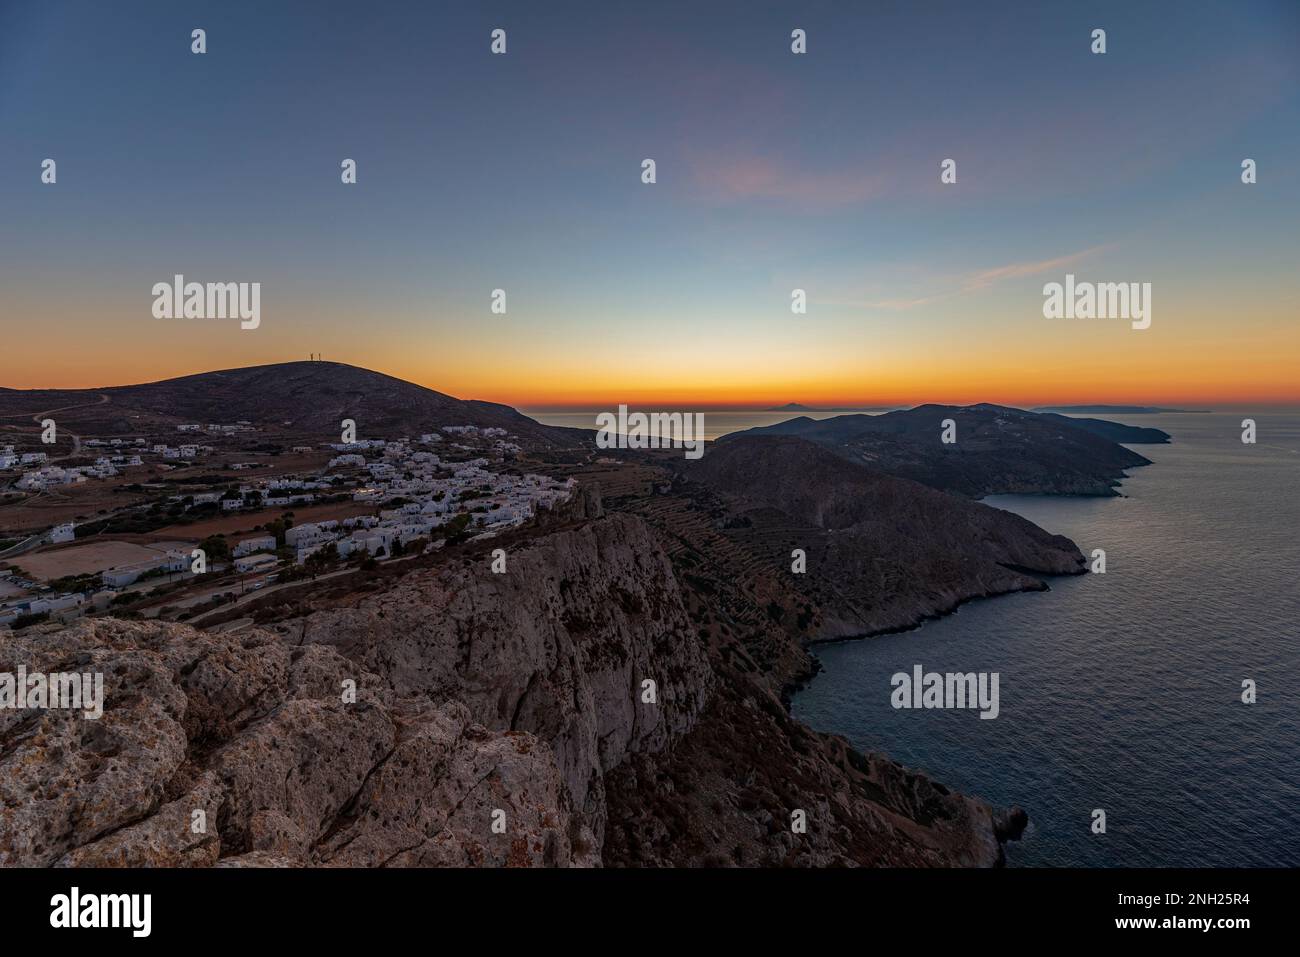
(516, 697)
(882, 553)
(306, 398)
(998, 450)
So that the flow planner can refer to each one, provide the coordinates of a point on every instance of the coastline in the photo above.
(1010, 821)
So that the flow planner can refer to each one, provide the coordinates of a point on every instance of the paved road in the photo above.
(26, 545)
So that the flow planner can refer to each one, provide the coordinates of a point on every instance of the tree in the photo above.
(216, 548)
(277, 528)
(293, 573)
(455, 530)
(323, 557)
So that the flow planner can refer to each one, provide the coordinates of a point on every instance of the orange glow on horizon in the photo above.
(1185, 387)
(1196, 361)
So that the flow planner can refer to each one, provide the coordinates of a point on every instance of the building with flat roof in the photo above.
(255, 563)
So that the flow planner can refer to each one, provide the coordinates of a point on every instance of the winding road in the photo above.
(76, 439)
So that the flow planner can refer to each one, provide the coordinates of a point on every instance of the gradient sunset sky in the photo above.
(775, 171)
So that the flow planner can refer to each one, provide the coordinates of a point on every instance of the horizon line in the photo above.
(674, 401)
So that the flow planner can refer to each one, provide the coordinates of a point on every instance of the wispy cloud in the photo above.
(987, 277)
(968, 282)
(724, 179)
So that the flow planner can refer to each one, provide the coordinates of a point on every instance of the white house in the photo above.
(255, 563)
(174, 561)
(303, 534)
(264, 543)
(63, 533)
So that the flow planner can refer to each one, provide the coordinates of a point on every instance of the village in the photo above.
(213, 530)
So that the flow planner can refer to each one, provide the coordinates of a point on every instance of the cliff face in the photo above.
(559, 646)
(516, 699)
(728, 795)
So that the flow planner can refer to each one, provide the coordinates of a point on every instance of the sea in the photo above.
(1122, 692)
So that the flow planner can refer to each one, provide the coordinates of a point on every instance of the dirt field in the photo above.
(53, 507)
(238, 524)
(82, 502)
(89, 558)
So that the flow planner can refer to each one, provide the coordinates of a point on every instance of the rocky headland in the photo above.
(395, 728)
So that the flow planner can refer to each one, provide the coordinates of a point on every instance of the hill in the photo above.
(1115, 431)
(302, 398)
(999, 450)
(882, 552)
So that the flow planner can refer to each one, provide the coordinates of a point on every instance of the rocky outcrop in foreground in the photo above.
(240, 749)
(570, 711)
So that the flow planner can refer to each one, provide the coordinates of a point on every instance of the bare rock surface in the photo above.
(588, 706)
(560, 646)
(728, 796)
(255, 735)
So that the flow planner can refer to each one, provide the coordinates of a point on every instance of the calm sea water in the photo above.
(1123, 691)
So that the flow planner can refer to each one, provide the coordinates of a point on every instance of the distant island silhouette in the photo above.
(1113, 409)
(800, 407)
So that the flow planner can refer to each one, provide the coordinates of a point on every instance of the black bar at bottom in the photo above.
(338, 906)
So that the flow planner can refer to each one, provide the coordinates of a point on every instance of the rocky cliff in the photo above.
(559, 645)
(240, 749)
(397, 731)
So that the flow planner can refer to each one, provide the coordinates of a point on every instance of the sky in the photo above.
(775, 171)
